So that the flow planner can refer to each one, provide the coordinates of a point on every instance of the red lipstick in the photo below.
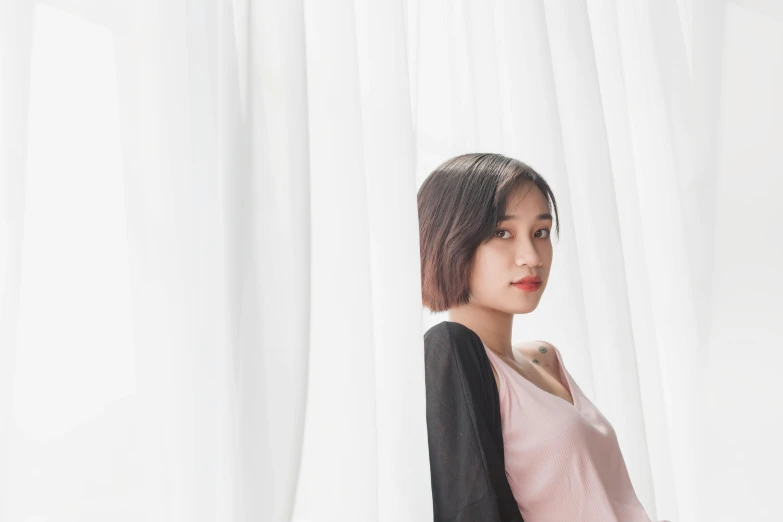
(528, 283)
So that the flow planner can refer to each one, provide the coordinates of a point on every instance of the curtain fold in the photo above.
(273, 298)
(365, 453)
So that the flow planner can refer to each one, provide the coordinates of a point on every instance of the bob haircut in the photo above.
(460, 204)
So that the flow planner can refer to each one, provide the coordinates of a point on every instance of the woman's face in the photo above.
(519, 247)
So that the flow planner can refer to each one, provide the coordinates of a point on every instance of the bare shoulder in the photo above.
(540, 353)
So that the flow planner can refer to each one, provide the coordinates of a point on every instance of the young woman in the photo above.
(511, 435)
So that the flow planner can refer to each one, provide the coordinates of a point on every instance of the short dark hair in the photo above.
(460, 204)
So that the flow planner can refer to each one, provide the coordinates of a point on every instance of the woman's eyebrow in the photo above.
(540, 217)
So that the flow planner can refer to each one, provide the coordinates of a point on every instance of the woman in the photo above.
(511, 435)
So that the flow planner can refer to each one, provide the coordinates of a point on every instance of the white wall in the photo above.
(744, 417)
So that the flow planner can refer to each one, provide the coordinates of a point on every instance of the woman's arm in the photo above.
(467, 470)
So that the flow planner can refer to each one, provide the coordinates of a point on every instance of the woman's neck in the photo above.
(492, 326)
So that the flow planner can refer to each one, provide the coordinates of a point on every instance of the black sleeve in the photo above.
(467, 470)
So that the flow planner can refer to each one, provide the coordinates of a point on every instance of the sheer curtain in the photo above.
(209, 242)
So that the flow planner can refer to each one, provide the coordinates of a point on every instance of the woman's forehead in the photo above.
(525, 204)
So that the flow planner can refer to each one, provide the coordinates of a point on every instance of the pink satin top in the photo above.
(562, 461)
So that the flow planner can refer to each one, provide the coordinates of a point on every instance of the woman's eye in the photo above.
(546, 230)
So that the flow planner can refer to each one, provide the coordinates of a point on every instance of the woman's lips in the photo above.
(527, 287)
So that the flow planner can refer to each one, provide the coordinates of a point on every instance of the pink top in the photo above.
(562, 461)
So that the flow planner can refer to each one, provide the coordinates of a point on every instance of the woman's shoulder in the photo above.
(455, 342)
(452, 335)
(541, 353)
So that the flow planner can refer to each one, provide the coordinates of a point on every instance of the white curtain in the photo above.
(209, 272)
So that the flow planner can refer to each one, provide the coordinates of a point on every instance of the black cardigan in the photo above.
(467, 469)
